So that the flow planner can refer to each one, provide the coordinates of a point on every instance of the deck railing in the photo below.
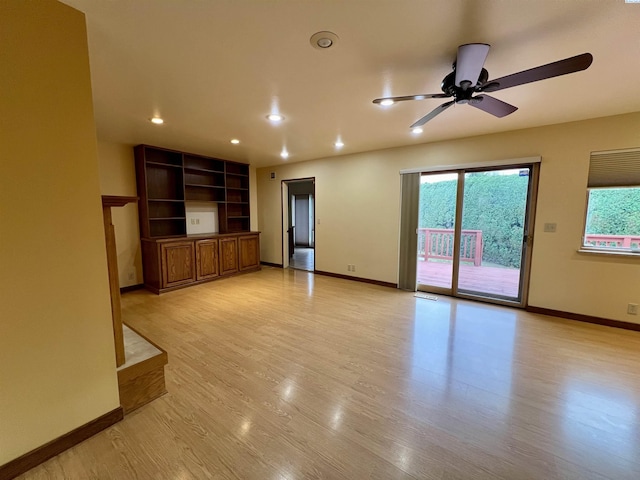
(438, 243)
(615, 241)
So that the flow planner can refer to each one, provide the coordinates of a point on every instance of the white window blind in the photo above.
(615, 168)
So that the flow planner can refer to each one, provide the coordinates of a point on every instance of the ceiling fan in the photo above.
(469, 77)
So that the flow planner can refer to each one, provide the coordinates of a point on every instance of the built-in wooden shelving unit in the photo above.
(167, 179)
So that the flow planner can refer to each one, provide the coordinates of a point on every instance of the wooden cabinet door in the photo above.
(177, 264)
(207, 259)
(228, 255)
(249, 252)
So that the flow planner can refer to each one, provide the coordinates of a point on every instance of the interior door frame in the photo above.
(284, 200)
(284, 208)
(529, 221)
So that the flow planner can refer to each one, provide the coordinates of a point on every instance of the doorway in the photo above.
(473, 232)
(299, 215)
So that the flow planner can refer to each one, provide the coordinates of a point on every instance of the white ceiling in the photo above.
(213, 69)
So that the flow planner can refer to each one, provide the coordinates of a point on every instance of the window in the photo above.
(613, 202)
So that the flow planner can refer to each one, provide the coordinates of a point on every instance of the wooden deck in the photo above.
(489, 280)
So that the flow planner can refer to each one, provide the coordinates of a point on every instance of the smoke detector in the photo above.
(323, 40)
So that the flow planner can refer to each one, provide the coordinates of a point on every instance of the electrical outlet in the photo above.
(197, 221)
(193, 221)
(550, 227)
(632, 309)
(353, 268)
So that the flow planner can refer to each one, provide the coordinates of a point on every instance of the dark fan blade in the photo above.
(469, 63)
(411, 97)
(550, 70)
(433, 113)
(492, 105)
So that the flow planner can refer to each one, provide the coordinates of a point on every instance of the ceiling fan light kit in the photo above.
(469, 77)
(469, 63)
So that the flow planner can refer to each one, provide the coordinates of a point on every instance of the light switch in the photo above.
(550, 227)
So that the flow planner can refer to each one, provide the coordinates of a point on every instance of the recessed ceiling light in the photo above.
(416, 130)
(323, 40)
(284, 153)
(235, 141)
(339, 144)
(157, 120)
(275, 117)
(386, 102)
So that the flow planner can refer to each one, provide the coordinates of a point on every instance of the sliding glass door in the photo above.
(436, 222)
(474, 232)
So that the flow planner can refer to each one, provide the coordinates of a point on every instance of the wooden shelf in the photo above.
(204, 170)
(166, 179)
(233, 168)
(208, 164)
(163, 165)
(198, 185)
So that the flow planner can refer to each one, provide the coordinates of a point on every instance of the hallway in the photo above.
(303, 259)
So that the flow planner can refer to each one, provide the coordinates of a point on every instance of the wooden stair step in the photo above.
(141, 378)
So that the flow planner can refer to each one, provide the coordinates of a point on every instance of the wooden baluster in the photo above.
(446, 238)
(451, 244)
(477, 258)
(426, 244)
(464, 254)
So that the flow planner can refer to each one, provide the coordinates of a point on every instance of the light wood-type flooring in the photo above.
(302, 259)
(281, 374)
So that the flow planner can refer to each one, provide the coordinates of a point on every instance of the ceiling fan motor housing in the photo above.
(461, 94)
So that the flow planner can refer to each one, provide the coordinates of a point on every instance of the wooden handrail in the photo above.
(109, 201)
(438, 243)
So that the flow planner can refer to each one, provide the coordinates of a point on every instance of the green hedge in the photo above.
(614, 211)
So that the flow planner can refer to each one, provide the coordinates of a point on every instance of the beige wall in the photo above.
(118, 177)
(358, 198)
(57, 362)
